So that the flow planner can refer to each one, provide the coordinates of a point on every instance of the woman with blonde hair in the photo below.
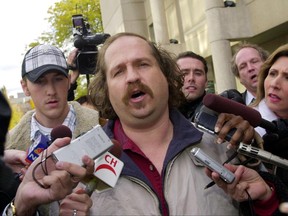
(272, 93)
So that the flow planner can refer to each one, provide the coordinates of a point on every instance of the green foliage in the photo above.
(60, 33)
(17, 114)
(60, 20)
(61, 28)
(82, 85)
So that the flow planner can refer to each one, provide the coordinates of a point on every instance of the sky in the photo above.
(22, 22)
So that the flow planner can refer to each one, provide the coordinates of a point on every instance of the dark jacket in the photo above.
(190, 108)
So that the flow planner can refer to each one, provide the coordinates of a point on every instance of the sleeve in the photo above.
(271, 205)
(71, 95)
(8, 185)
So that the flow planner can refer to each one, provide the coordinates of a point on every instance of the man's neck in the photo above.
(153, 141)
(51, 122)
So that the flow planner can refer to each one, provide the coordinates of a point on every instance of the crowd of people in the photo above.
(148, 100)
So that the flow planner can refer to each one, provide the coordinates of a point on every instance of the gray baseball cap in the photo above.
(41, 59)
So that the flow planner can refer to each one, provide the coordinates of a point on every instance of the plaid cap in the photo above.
(41, 59)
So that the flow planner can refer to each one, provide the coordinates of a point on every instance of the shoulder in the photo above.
(81, 110)
(19, 136)
(86, 118)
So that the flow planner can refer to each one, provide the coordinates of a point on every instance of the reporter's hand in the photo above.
(246, 181)
(77, 201)
(61, 179)
(15, 159)
(244, 131)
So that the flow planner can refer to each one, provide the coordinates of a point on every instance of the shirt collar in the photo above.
(184, 135)
(37, 128)
(249, 98)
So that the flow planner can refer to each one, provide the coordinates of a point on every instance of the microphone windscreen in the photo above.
(224, 105)
(60, 131)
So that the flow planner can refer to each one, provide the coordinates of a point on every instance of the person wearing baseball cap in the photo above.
(46, 79)
(42, 59)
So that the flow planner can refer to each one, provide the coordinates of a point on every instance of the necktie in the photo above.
(252, 101)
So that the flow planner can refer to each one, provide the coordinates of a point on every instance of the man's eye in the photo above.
(143, 64)
(255, 61)
(241, 67)
(117, 73)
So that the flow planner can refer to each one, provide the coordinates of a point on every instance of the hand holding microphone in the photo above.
(107, 170)
(227, 126)
(95, 144)
(224, 105)
(42, 142)
(262, 155)
(274, 140)
(55, 185)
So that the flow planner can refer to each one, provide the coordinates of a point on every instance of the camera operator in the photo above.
(74, 73)
(82, 60)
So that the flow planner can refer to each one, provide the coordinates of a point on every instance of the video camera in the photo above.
(87, 44)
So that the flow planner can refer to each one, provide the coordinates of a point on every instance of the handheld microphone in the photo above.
(95, 143)
(107, 171)
(60, 131)
(260, 154)
(224, 105)
(42, 142)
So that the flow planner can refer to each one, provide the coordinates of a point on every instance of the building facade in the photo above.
(210, 28)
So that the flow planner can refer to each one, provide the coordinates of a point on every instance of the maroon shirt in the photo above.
(147, 167)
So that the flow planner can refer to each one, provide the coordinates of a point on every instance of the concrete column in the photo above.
(220, 47)
(221, 57)
(159, 21)
(179, 21)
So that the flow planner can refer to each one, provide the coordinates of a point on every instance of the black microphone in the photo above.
(206, 120)
(42, 142)
(224, 105)
(260, 154)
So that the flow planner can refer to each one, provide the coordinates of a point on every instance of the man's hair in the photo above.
(262, 53)
(193, 55)
(84, 99)
(279, 52)
(98, 88)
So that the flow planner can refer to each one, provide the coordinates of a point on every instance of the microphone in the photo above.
(224, 105)
(60, 131)
(265, 156)
(42, 142)
(107, 170)
(95, 143)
